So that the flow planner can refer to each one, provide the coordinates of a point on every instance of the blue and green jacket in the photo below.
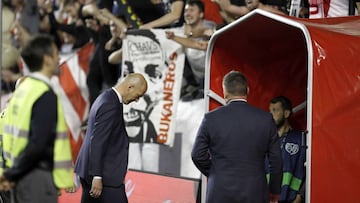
(293, 149)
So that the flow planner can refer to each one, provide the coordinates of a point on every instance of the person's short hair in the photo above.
(235, 83)
(285, 102)
(34, 51)
(69, 2)
(197, 3)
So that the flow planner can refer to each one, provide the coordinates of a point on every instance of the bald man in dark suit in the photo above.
(103, 159)
(231, 146)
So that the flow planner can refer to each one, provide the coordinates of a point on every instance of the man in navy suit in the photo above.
(103, 159)
(231, 146)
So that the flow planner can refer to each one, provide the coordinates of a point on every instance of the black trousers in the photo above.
(5, 197)
(36, 187)
(108, 195)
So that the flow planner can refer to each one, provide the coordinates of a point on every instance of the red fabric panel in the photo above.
(336, 121)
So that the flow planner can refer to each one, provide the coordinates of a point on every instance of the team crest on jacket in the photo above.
(292, 148)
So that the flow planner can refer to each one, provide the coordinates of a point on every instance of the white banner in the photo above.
(161, 61)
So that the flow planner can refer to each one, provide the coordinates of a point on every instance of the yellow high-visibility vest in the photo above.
(2, 164)
(16, 127)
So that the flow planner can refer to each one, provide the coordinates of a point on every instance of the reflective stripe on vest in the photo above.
(16, 126)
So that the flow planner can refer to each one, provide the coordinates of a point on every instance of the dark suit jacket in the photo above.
(104, 151)
(230, 150)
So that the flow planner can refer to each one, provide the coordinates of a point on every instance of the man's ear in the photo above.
(202, 15)
(130, 87)
(46, 59)
(287, 113)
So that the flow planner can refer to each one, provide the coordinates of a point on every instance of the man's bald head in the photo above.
(136, 79)
(132, 87)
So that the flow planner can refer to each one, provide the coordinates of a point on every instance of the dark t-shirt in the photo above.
(147, 11)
